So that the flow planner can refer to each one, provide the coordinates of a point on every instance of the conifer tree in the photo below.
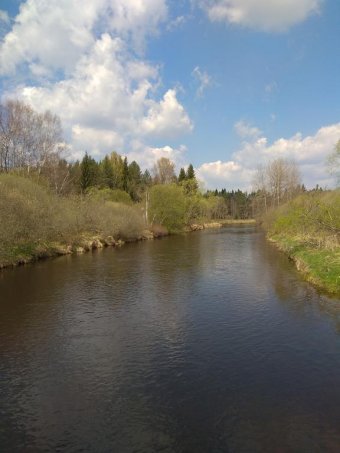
(125, 175)
(107, 173)
(190, 172)
(182, 176)
(89, 172)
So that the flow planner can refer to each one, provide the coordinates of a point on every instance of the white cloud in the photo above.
(56, 33)
(106, 96)
(167, 118)
(178, 22)
(308, 152)
(204, 80)
(266, 15)
(246, 131)
(4, 17)
(146, 156)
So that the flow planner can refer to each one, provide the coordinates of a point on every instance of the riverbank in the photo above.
(319, 266)
(27, 253)
(31, 252)
(307, 229)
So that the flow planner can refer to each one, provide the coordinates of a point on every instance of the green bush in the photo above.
(313, 217)
(106, 194)
(168, 206)
(31, 215)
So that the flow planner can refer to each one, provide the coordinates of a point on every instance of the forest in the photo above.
(50, 204)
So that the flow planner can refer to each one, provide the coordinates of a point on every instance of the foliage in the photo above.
(313, 216)
(89, 172)
(168, 206)
(190, 172)
(181, 175)
(106, 194)
(35, 216)
(308, 229)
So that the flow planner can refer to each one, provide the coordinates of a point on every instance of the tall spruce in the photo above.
(107, 173)
(190, 172)
(182, 176)
(89, 172)
(125, 175)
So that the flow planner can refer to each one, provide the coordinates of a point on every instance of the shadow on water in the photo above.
(208, 341)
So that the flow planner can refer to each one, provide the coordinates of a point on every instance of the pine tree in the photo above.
(125, 175)
(134, 184)
(182, 175)
(190, 172)
(107, 173)
(89, 172)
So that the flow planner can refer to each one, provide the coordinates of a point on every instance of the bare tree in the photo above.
(260, 186)
(333, 163)
(27, 138)
(164, 171)
(277, 182)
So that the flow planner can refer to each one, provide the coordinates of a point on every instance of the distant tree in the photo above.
(125, 175)
(135, 181)
(146, 179)
(277, 182)
(333, 163)
(107, 173)
(164, 171)
(182, 176)
(167, 206)
(190, 186)
(117, 166)
(89, 172)
(28, 139)
(190, 172)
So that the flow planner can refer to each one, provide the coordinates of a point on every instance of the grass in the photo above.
(319, 266)
(308, 230)
(35, 223)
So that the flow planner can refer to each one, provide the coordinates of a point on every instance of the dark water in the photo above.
(209, 342)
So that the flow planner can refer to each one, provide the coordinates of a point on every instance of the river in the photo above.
(205, 342)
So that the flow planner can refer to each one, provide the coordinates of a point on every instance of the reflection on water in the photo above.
(203, 342)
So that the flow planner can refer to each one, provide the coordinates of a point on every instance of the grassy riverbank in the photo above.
(36, 223)
(308, 230)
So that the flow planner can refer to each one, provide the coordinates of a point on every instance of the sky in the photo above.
(226, 85)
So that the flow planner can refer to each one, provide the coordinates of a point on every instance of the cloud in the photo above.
(55, 34)
(308, 152)
(204, 80)
(4, 17)
(270, 87)
(146, 156)
(176, 23)
(265, 15)
(246, 131)
(106, 94)
(229, 175)
(167, 118)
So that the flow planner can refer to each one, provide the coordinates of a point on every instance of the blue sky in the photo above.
(224, 84)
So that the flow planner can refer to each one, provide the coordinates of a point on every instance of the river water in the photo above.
(206, 342)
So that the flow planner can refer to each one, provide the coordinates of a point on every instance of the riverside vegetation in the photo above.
(308, 230)
(50, 206)
(36, 222)
(303, 224)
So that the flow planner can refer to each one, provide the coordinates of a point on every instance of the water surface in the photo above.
(206, 342)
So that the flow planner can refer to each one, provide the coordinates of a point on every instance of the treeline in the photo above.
(48, 204)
